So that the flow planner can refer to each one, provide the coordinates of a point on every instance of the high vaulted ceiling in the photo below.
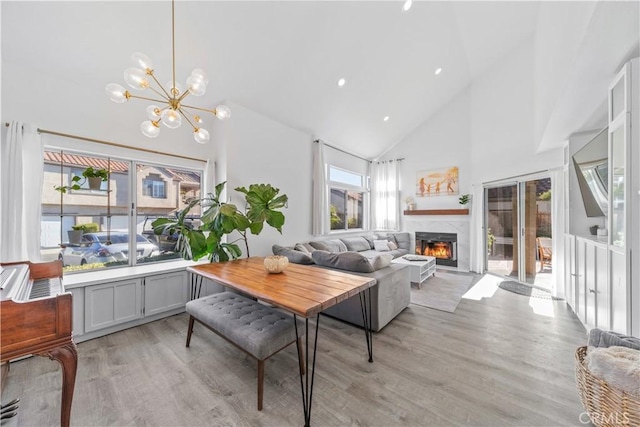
(281, 59)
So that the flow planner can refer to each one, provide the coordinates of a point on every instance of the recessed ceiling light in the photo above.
(386, 118)
(438, 71)
(341, 82)
(407, 5)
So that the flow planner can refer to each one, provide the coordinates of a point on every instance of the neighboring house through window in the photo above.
(154, 186)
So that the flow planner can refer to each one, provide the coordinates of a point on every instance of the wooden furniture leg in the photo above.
(67, 356)
(189, 331)
(260, 383)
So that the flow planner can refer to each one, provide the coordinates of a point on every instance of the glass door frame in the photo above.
(520, 183)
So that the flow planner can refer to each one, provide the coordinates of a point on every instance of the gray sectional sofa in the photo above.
(358, 255)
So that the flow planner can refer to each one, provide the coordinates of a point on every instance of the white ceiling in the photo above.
(282, 59)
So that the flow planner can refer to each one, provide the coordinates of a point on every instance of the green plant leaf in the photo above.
(276, 220)
(219, 188)
(256, 227)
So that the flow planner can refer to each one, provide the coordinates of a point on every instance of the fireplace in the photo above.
(443, 246)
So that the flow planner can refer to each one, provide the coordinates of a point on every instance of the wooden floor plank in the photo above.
(493, 362)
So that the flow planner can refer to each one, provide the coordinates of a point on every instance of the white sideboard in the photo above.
(112, 300)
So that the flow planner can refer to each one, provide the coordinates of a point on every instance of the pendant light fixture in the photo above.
(170, 109)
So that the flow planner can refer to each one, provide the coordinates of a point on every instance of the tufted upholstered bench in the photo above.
(256, 329)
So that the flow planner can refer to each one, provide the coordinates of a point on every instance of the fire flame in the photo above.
(439, 250)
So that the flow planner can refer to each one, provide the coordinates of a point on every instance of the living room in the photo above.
(517, 83)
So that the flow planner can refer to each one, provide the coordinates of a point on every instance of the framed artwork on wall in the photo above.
(437, 182)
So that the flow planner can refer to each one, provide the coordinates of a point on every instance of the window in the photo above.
(347, 199)
(110, 235)
(154, 186)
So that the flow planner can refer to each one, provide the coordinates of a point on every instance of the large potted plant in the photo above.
(219, 218)
(95, 177)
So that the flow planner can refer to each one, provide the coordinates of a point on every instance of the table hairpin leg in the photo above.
(366, 320)
(305, 385)
(196, 286)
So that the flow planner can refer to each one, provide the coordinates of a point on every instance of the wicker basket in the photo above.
(606, 405)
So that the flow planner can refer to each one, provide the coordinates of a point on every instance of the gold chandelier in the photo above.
(171, 109)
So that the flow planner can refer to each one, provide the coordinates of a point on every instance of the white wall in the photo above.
(44, 101)
(261, 150)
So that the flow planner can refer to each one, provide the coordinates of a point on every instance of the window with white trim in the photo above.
(105, 217)
(348, 195)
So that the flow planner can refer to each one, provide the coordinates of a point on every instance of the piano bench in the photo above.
(256, 329)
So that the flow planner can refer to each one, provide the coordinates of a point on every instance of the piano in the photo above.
(36, 318)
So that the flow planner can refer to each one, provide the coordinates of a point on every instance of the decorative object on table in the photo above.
(464, 199)
(594, 229)
(437, 182)
(95, 178)
(411, 203)
(171, 98)
(276, 263)
(219, 218)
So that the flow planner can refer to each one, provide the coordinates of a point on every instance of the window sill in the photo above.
(80, 280)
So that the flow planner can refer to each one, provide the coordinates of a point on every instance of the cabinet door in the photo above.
(602, 288)
(112, 303)
(590, 285)
(580, 279)
(618, 292)
(165, 292)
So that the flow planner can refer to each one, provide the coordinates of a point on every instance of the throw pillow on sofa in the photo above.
(392, 246)
(294, 256)
(304, 247)
(356, 244)
(381, 261)
(331, 245)
(381, 245)
(349, 261)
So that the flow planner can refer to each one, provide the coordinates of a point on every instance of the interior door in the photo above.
(501, 225)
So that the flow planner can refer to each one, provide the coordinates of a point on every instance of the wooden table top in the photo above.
(301, 289)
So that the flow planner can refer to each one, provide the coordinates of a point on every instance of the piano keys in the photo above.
(36, 318)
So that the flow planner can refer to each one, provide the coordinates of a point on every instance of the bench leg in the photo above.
(260, 383)
(300, 355)
(189, 331)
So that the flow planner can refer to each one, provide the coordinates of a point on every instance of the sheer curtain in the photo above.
(320, 212)
(385, 204)
(21, 159)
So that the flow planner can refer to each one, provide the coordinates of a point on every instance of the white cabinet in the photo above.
(592, 283)
(618, 292)
(165, 292)
(113, 303)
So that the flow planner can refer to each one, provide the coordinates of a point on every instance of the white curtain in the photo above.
(385, 203)
(320, 213)
(557, 230)
(478, 248)
(21, 159)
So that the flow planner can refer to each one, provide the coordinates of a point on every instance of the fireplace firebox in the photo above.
(443, 246)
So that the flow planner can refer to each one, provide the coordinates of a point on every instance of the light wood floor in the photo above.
(493, 362)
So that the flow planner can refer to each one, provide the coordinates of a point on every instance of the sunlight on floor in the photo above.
(485, 288)
(542, 306)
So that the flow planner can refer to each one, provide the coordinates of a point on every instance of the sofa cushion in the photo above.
(403, 240)
(381, 245)
(381, 261)
(331, 245)
(304, 247)
(294, 256)
(392, 246)
(349, 261)
(370, 240)
(356, 244)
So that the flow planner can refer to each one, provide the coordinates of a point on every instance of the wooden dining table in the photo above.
(305, 291)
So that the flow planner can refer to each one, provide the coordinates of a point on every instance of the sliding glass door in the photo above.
(518, 230)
